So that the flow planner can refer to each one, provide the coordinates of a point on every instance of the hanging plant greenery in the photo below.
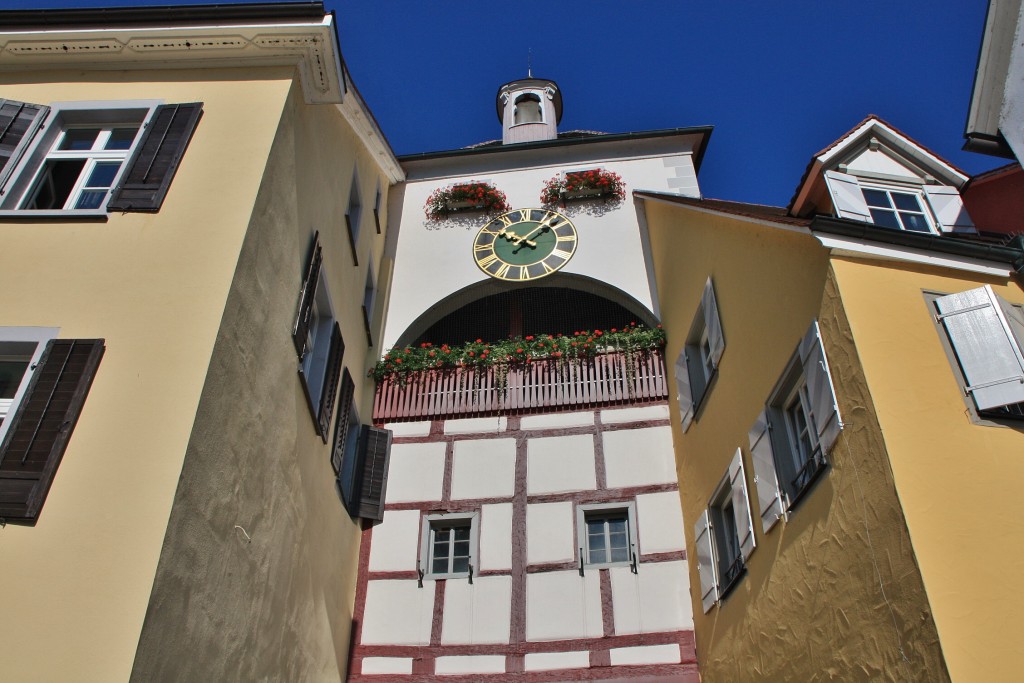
(472, 196)
(632, 339)
(594, 184)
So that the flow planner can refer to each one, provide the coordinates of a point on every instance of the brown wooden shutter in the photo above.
(300, 330)
(375, 454)
(332, 372)
(155, 160)
(19, 122)
(42, 425)
(348, 389)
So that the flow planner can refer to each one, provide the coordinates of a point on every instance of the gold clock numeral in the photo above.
(566, 238)
(524, 273)
(506, 220)
(547, 269)
(524, 215)
(502, 271)
(566, 255)
(483, 247)
(488, 261)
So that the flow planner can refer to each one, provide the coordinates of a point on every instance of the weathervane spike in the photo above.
(529, 62)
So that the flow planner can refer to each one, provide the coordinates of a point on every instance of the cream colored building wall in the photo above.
(278, 607)
(811, 605)
(958, 481)
(74, 587)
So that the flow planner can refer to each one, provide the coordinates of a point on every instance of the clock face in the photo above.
(525, 244)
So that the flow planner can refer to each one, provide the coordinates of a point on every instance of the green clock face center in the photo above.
(525, 243)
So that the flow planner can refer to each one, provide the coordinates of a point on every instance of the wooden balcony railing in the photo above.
(541, 386)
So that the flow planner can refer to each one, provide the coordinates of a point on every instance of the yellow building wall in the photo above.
(278, 607)
(74, 587)
(833, 592)
(957, 481)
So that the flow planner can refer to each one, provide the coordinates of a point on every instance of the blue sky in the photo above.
(777, 80)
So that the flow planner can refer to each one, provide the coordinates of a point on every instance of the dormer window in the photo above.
(899, 206)
(527, 109)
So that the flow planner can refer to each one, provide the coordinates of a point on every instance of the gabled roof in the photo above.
(892, 138)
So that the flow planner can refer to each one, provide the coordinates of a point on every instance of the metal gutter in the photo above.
(704, 131)
(182, 14)
(1013, 255)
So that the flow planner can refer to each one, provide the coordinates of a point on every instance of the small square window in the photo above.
(606, 534)
(449, 545)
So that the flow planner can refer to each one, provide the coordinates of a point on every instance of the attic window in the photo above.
(527, 109)
(898, 210)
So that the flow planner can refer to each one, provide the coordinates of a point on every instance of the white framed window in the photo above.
(698, 360)
(606, 534)
(369, 301)
(984, 334)
(450, 545)
(724, 535)
(920, 208)
(791, 438)
(354, 215)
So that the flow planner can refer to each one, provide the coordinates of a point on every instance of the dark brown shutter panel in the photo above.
(19, 122)
(300, 330)
(42, 425)
(155, 160)
(375, 446)
(332, 372)
(348, 390)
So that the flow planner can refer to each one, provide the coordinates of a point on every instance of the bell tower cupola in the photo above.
(529, 110)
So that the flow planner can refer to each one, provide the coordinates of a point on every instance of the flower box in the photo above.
(593, 184)
(464, 197)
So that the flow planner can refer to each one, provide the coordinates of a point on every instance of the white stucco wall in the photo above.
(416, 472)
(398, 612)
(434, 259)
(561, 605)
(653, 599)
(549, 532)
(478, 612)
(639, 457)
(484, 468)
(560, 463)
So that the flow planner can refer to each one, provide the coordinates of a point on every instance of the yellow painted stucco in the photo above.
(832, 592)
(957, 480)
(196, 413)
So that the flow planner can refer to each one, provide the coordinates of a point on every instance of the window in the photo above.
(89, 158)
(606, 533)
(986, 335)
(376, 209)
(353, 216)
(449, 545)
(916, 208)
(369, 299)
(527, 109)
(360, 457)
(43, 385)
(724, 535)
(699, 358)
(317, 338)
(791, 438)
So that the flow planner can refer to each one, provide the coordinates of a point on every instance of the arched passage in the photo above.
(493, 310)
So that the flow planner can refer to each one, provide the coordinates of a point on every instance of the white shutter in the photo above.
(769, 497)
(820, 391)
(948, 208)
(712, 323)
(683, 391)
(706, 561)
(847, 197)
(982, 338)
(741, 505)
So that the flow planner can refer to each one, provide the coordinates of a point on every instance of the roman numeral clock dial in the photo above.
(524, 244)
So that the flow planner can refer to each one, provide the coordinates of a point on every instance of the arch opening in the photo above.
(527, 109)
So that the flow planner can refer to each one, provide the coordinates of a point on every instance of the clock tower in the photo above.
(529, 110)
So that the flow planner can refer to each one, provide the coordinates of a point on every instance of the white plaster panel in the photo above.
(476, 425)
(877, 161)
(557, 420)
(416, 472)
(547, 661)
(469, 664)
(395, 541)
(397, 613)
(646, 654)
(410, 428)
(659, 522)
(496, 536)
(638, 457)
(654, 599)
(387, 665)
(484, 468)
(620, 415)
(549, 532)
(557, 464)
(561, 605)
(477, 612)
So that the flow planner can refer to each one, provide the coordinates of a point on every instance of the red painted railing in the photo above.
(541, 386)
